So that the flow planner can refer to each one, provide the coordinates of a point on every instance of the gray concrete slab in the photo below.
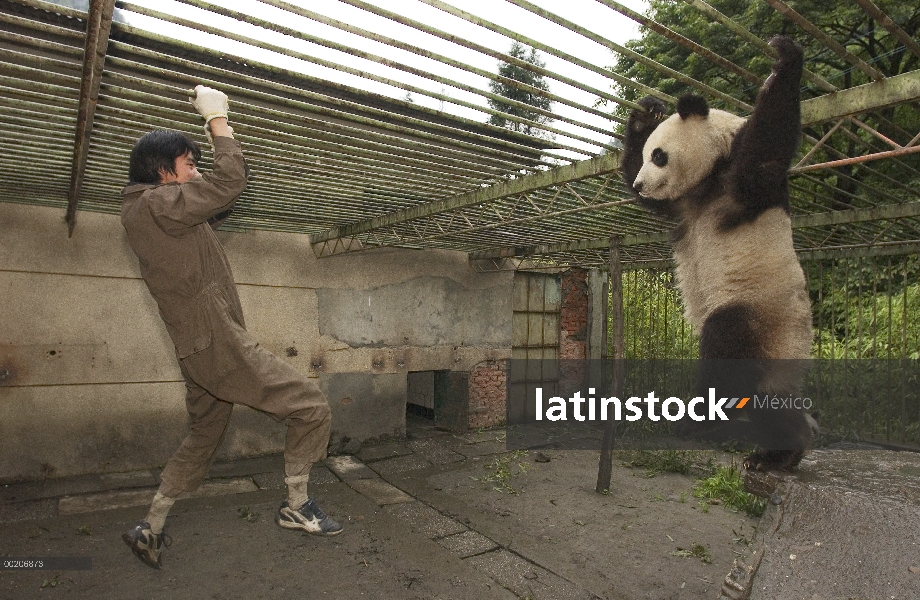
(481, 448)
(370, 454)
(468, 543)
(394, 466)
(425, 520)
(217, 554)
(847, 527)
(433, 450)
(349, 468)
(526, 579)
(380, 492)
(86, 503)
(131, 479)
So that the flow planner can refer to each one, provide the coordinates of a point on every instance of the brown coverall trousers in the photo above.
(185, 268)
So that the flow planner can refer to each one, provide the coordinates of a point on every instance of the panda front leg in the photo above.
(769, 140)
(639, 127)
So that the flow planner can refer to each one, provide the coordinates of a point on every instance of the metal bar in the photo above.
(555, 52)
(606, 163)
(868, 97)
(98, 26)
(470, 228)
(899, 248)
(895, 211)
(633, 55)
(683, 41)
(885, 21)
(858, 215)
(875, 133)
(819, 144)
(383, 121)
(344, 69)
(54, 7)
(785, 10)
(444, 59)
(344, 136)
(857, 159)
(494, 53)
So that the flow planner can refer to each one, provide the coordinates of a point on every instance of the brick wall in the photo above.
(573, 335)
(488, 394)
(574, 315)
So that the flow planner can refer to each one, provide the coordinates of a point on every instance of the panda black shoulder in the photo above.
(756, 188)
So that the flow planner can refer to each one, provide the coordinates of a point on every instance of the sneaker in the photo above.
(307, 518)
(146, 544)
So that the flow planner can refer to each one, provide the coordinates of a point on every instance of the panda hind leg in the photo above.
(733, 363)
(782, 436)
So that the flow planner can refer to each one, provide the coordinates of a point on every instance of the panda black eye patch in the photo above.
(659, 157)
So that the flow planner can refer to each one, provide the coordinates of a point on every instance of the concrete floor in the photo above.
(425, 517)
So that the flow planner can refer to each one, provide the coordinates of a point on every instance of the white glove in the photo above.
(207, 133)
(210, 103)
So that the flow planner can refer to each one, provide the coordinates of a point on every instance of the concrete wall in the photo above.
(89, 381)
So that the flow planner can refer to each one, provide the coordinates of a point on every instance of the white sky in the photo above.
(588, 13)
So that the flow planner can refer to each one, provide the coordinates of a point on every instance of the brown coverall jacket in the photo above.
(187, 272)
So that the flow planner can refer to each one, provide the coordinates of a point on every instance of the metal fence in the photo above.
(867, 340)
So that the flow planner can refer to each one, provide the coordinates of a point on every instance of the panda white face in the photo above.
(682, 151)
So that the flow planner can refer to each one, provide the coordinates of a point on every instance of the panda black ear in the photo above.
(690, 104)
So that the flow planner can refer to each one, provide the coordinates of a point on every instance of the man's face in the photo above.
(185, 170)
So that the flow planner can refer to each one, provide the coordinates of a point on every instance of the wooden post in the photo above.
(605, 466)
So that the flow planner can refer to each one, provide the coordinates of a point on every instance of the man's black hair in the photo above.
(158, 150)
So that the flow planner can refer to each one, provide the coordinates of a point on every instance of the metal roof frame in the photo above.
(356, 169)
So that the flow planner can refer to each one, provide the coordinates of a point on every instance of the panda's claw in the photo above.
(653, 112)
(789, 50)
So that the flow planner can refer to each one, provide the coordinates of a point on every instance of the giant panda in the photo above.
(724, 180)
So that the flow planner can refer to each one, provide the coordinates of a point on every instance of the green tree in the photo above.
(532, 93)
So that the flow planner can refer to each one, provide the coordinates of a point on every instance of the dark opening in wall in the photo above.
(420, 394)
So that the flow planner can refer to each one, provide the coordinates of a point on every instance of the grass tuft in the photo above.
(727, 485)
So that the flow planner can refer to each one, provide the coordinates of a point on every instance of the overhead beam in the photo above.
(599, 165)
(98, 26)
(836, 217)
(900, 248)
(876, 95)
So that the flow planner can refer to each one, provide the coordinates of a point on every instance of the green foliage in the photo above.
(533, 97)
(864, 308)
(653, 318)
(682, 462)
(727, 485)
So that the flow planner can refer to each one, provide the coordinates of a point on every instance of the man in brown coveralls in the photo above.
(168, 211)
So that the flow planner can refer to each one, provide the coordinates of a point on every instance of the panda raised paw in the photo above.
(654, 113)
(789, 51)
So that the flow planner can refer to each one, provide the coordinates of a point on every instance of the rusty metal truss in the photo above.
(388, 157)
